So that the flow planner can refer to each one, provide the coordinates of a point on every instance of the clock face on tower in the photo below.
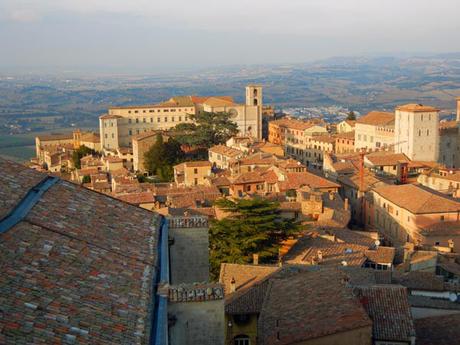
(233, 113)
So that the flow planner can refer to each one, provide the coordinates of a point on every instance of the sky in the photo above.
(159, 35)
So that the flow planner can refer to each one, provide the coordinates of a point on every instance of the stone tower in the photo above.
(417, 132)
(254, 95)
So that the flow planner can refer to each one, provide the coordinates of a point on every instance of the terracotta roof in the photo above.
(381, 255)
(226, 151)
(417, 200)
(293, 124)
(296, 180)
(73, 269)
(91, 137)
(316, 250)
(245, 276)
(419, 280)
(137, 198)
(385, 158)
(416, 108)
(309, 305)
(442, 229)
(353, 181)
(448, 124)
(218, 102)
(388, 307)
(249, 177)
(56, 136)
(377, 118)
(438, 330)
(107, 117)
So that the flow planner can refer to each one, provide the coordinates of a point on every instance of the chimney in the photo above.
(320, 255)
(233, 285)
(255, 259)
(345, 204)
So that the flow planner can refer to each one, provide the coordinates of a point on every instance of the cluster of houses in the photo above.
(378, 198)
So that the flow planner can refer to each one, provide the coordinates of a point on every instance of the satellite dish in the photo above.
(377, 243)
(452, 297)
(344, 263)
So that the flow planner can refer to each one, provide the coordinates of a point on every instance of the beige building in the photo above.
(449, 145)
(192, 173)
(346, 126)
(375, 130)
(121, 124)
(221, 156)
(417, 132)
(405, 213)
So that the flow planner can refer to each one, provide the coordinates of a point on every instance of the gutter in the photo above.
(20, 211)
(159, 331)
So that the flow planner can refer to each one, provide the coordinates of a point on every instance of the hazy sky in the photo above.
(155, 35)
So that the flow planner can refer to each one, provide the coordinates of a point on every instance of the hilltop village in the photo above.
(106, 240)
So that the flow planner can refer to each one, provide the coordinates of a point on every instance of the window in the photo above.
(158, 119)
(129, 121)
(137, 120)
(195, 181)
(130, 132)
(166, 111)
(442, 218)
(180, 118)
(166, 119)
(135, 111)
(195, 171)
(113, 136)
(172, 119)
(241, 340)
(143, 111)
(151, 111)
(106, 136)
(144, 120)
(129, 111)
(151, 119)
(419, 132)
(427, 132)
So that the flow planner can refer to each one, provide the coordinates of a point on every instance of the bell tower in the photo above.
(254, 95)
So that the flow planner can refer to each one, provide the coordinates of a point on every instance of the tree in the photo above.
(208, 129)
(79, 153)
(351, 116)
(253, 226)
(161, 157)
(86, 179)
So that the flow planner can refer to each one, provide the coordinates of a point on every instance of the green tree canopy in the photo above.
(79, 153)
(253, 226)
(161, 157)
(351, 116)
(208, 129)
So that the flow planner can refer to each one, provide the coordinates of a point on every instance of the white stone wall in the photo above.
(417, 135)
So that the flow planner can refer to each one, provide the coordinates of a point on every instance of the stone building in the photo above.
(408, 213)
(121, 124)
(375, 130)
(417, 132)
(192, 173)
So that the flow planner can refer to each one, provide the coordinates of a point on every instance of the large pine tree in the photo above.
(253, 226)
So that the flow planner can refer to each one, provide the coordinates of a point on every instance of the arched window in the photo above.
(241, 340)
